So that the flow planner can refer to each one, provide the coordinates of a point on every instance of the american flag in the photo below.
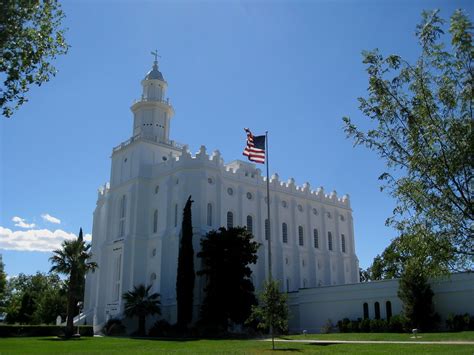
(255, 149)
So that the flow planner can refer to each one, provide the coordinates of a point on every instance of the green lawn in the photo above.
(466, 336)
(149, 346)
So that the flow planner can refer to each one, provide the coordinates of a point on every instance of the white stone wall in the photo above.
(310, 309)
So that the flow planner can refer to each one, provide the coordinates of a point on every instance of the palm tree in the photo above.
(141, 304)
(71, 260)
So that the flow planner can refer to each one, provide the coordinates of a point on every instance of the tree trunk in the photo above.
(141, 325)
(70, 307)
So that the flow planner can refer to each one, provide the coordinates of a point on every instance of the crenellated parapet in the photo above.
(103, 190)
(246, 172)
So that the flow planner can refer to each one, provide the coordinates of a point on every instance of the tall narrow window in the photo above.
(388, 309)
(316, 238)
(118, 264)
(250, 224)
(284, 232)
(209, 214)
(230, 220)
(176, 215)
(343, 243)
(366, 311)
(300, 235)
(123, 207)
(267, 229)
(287, 285)
(155, 221)
(329, 241)
(377, 310)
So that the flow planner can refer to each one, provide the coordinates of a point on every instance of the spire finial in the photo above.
(155, 54)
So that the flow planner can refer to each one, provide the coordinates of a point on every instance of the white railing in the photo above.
(144, 137)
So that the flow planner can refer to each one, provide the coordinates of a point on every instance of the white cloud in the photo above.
(21, 222)
(48, 218)
(35, 239)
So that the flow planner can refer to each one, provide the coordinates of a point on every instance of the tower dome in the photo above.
(154, 73)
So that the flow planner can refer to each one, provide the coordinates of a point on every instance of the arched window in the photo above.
(284, 232)
(155, 221)
(366, 311)
(267, 229)
(304, 283)
(388, 309)
(250, 224)
(209, 214)
(377, 310)
(122, 212)
(230, 220)
(176, 215)
(343, 243)
(300, 235)
(329, 241)
(157, 188)
(316, 238)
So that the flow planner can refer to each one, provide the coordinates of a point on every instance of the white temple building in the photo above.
(137, 224)
(137, 220)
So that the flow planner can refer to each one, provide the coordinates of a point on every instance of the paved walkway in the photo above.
(313, 341)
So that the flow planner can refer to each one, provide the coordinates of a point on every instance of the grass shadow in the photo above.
(57, 338)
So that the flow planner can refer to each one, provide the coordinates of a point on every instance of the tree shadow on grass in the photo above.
(63, 339)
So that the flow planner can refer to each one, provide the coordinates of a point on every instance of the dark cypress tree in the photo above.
(185, 277)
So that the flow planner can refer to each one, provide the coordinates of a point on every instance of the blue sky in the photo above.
(293, 68)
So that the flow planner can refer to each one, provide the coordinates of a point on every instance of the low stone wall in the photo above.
(310, 309)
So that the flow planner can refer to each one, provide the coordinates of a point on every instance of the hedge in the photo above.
(40, 330)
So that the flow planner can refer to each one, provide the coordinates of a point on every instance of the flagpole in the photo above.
(268, 212)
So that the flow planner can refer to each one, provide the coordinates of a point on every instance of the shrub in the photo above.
(343, 325)
(114, 327)
(378, 326)
(161, 328)
(365, 325)
(459, 322)
(397, 324)
(40, 330)
(354, 326)
(327, 328)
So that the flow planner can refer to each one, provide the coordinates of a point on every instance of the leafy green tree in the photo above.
(226, 255)
(139, 302)
(422, 119)
(421, 247)
(31, 37)
(3, 284)
(417, 297)
(35, 299)
(272, 310)
(186, 275)
(72, 260)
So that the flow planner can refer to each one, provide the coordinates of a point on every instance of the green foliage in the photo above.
(114, 327)
(35, 299)
(139, 302)
(272, 310)
(30, 38)
(72, 260)
(328, 327)
(226, 255)
(185, 277)
(460, 322)
(422, 118)
(40, 330)
(396, 324)
(427, 251)
(3, 285)
(417, 297)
